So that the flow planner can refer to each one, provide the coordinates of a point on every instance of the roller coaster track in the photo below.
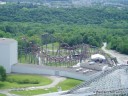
(69, 55)
(96, 78)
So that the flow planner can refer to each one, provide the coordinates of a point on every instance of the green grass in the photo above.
(18, 80)
(31, 92)
(29, 58)
(65, 85)
(2, 94)
(49, 46)
(69, 83)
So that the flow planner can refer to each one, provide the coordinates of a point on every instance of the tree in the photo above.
(2, 73)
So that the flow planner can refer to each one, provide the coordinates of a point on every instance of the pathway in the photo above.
(6, 92)
(121, 58)
(56, 80)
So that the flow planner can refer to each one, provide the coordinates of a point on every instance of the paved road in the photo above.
(121, 58)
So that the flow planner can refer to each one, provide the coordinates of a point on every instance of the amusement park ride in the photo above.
(62, 55)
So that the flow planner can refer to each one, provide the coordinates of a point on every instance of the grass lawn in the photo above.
(65, 85)
(2, 94)
(19, 80)
(29, 58)
(69, 83)
(49, 46)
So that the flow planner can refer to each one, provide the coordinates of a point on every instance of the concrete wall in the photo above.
(8, 53)
(37, 69)
(13, 53)
(5, 57)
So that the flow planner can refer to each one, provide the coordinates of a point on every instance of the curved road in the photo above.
(121, 58)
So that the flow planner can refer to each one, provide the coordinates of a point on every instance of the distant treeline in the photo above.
(35, 13)
(91, 25)
(34, 1)
(125, 2)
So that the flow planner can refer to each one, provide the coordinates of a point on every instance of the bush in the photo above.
(2, 74)
(27, 81)
(23, 80)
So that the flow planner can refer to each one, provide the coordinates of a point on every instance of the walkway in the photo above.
(56, 80)
(121, 58)
(6, 92)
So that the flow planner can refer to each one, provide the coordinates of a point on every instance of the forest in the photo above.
(90, 25)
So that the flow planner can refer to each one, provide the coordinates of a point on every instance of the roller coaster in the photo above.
(61, 55)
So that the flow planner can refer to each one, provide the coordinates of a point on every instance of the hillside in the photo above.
(91, 25)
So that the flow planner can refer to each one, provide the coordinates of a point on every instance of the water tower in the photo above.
(8, 53)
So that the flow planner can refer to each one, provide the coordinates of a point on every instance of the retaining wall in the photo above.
(38, 69)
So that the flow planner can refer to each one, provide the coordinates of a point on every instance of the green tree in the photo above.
(2, 73)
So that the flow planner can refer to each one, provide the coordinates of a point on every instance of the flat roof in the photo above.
(7, 41)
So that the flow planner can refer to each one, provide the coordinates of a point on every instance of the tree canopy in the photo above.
(91, 25)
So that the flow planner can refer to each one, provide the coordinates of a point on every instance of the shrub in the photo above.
(27, 81)
(23, 81)
(2, 73)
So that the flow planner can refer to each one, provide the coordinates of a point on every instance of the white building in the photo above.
(8, 53)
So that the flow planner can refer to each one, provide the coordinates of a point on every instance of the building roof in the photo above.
(98, 56)
(7, 41)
